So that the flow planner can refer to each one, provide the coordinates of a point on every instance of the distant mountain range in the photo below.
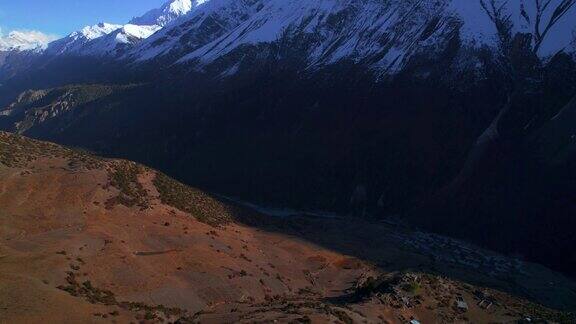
(19, 41)
(109, 40)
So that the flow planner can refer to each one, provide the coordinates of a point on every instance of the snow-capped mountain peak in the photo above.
(167, 13)
(74, 42)
(24, 41)
(129, 31)
(118, 41)
(95, 31)
(106, 39)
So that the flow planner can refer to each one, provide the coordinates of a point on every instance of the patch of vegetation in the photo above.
(87, 291)
(411, 287)
(18, 151)
(341, 315)
(200, 205)
(386, 284)
(105, 297)
(124, 177)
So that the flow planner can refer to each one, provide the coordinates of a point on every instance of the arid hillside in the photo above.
(91, 240)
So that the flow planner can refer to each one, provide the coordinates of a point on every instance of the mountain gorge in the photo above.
(453, 118)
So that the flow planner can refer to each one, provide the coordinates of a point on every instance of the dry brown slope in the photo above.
(85, 239)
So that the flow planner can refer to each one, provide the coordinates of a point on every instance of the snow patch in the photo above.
(74, 42)
(169, 12)
(130, 31)
(93, 32)
(479, 29)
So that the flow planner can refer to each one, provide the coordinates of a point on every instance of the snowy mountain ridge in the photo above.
(74, 42)
(167, 13)
(110, 40)
(115, 42)
(382, 34)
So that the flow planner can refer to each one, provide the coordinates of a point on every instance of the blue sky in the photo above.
(60, 17)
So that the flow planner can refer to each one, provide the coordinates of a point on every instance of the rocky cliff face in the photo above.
(34, 108)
